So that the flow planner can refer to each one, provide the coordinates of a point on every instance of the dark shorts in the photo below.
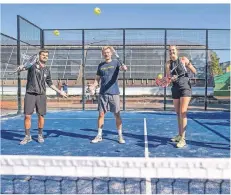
(181, 89)
(32, 101)
(109, 102)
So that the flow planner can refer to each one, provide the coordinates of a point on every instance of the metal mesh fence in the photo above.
(8, 64)
(74, 56)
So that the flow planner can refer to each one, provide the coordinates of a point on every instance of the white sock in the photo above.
(120, 132)
(100, 131)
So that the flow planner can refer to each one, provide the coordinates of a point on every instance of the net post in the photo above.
(19, 95)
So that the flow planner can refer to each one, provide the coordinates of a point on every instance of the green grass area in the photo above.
(222, 93)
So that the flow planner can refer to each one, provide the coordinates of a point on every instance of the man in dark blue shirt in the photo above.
(109, 98)
(37, 77)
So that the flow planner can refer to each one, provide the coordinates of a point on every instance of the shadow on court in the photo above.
(192, 115)
(72, 136)
(212, 130)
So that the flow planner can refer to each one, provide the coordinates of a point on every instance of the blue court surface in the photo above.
(68, 133)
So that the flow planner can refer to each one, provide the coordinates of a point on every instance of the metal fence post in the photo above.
(206, 71)
(83, 71)
(165, 60)
(19, 95)
(124, 108)
(41, 39)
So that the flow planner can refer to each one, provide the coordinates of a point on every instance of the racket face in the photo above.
(11, 73)
(30, 61)
(164, 82)
(33, 58)
(27, 58)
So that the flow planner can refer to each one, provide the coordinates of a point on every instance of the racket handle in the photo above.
(118, 58)
(121, 63)
(15, 71)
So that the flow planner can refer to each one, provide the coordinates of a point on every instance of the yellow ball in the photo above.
(159, 76)
(56, 32)
(97, 11)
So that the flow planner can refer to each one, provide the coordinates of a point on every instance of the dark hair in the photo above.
(43, 51)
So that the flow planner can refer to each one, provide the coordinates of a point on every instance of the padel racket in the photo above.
(162, 81)
(165, 81)
(118, 58)
(28, 61)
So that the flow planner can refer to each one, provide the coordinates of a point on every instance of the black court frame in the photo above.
(206, 49)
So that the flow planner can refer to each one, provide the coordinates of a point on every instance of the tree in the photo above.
(215, 66)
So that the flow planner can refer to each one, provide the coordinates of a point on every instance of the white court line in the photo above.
(148, 184)
(146, 154)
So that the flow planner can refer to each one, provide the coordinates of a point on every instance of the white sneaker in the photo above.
(121, 139)
(40, 138)
(176, 138)
(181, 143)
(26, 140)
(97, 139)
